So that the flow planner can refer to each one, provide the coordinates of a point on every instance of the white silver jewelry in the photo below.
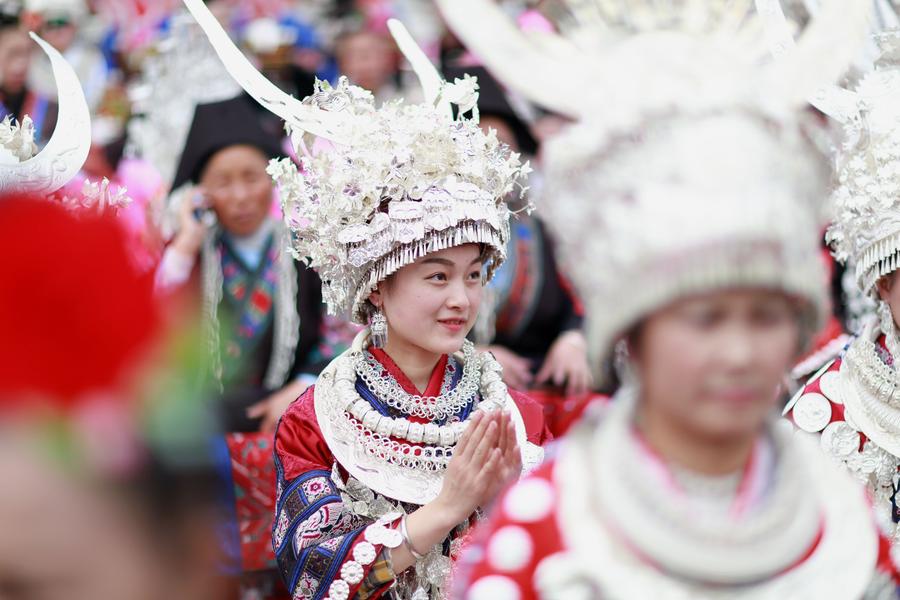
(888, 327)
(408, 542)
(416, 433)
(430, 446)
(434, 408)
(364, 553)
(352, 572)
(378, 328)
(432, 435)
(812, 412)
(339, 590)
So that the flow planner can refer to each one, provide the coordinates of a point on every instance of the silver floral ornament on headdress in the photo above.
(382, 186)
(16, 141)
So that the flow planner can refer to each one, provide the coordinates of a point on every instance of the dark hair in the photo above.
(9, 22)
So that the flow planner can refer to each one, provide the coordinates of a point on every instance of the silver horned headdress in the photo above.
(21, 170)
(394, 182)
(689, 167)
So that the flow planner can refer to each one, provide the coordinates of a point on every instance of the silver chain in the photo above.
(433, 408)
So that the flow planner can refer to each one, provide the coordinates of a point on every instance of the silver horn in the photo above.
(65, 153)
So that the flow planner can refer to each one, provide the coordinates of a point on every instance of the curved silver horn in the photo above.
(65, 153)
(430, 79)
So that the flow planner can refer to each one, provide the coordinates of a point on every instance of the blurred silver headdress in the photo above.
(180, 72)
(689, 168)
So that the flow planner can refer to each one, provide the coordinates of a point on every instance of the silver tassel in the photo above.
(378, 329)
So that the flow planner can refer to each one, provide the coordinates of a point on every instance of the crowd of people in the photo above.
(333, 299)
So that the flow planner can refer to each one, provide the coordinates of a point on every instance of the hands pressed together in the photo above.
(485, 460)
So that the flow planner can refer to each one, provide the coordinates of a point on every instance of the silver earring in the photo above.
(885, 317)
(378, 329)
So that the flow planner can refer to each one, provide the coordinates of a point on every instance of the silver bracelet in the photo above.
(406, 541)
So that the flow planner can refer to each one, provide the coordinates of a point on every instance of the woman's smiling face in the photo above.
(432, 303)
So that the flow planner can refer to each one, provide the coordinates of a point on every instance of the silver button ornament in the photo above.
(840, 439)
(830, 384)
(339, 590)
(812, 412)
(364, 553)
(352, 572)
(380, 535)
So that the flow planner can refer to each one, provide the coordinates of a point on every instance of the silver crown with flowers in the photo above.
(866, 231)
(689, 167)
(392, 184)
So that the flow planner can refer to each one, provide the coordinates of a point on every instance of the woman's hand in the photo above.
(474, 467)
(510, 466)
(567, 363)
(481, 463)
(516, 369)
(191, 231)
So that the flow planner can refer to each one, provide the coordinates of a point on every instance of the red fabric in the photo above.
(561, 412)
(547, 540)
(544, 533)
(532, 413)
(299, 441)
(76, 315)
(253, 475)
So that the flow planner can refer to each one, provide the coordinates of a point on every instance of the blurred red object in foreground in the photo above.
(76, 314)
(561, 411)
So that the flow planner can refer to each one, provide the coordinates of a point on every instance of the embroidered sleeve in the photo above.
(323, 548)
